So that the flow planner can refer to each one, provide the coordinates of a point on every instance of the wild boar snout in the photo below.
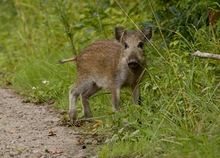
(135, 57)
(133, 62)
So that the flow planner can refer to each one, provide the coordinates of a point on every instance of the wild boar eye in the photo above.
(141, 45)
(125, 45)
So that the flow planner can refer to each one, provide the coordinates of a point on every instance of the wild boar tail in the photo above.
(67, 60)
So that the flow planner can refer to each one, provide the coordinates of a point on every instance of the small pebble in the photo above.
(83, 147)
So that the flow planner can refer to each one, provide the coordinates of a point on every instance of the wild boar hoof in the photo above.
(88, 116)
(72, 116)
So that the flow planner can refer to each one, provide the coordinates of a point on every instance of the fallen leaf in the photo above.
(12, 131)
(47, 151)
(37, 155)
(52, 133)
(80, 141)
(97, 123)
(56, 151)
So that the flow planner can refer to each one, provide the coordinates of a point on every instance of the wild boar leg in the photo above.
(136, 94)
(72, 104)
(80, 88)
(85, 99)
(115, 99)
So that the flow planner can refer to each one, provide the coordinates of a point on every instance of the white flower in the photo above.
(45, 81)
(34, 88)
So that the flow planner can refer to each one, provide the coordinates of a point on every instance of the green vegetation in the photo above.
(180, 115)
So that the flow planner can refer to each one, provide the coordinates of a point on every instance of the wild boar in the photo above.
(111, 65)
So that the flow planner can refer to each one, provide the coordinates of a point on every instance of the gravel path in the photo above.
(33, 131)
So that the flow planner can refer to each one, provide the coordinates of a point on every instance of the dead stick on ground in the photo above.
(206, 55)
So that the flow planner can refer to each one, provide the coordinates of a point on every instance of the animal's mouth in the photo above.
(133, 65)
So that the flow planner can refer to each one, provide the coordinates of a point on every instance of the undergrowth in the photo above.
(179, 116)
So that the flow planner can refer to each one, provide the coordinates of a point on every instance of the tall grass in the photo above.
(180, 113)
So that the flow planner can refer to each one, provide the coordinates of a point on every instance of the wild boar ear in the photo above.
(119, 33)
(147, 31)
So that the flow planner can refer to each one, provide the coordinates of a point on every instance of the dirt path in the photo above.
(33, 131)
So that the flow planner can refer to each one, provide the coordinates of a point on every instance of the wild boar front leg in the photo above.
(115, 99)
(136, 94)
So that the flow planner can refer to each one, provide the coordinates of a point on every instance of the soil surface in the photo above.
(34, 131)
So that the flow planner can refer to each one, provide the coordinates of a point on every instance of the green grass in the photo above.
(179, 116)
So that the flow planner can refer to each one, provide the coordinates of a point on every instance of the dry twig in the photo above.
(206, 55)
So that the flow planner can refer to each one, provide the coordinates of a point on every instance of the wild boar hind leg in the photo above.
(81, 88)
(93, 88)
